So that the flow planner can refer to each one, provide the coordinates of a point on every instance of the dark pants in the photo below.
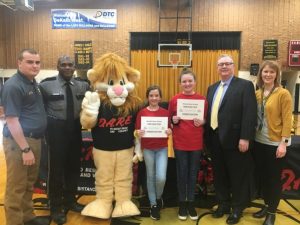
(232, 174)
(64, 155)
(268, 173)
(187, 166)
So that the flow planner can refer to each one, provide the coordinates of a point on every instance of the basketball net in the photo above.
(174, 63)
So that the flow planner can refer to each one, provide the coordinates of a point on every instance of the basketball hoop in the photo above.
(174, 59)
(174, 55)
(174, 64)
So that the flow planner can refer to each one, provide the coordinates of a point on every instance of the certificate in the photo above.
(188, 109)
(154, 127)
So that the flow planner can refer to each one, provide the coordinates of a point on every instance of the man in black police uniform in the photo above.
(62, 97)
(25, 125)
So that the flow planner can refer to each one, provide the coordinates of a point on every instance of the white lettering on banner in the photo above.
(84, 18)
(104, 14)
(89, 189)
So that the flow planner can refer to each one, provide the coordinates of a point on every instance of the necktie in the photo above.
(215, 107)
(70, 106)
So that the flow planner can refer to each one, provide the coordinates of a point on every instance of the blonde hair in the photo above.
(273, 65)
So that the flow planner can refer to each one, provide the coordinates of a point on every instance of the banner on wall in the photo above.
(84, 18)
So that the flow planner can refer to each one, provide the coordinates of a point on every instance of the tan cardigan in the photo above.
(278, 113)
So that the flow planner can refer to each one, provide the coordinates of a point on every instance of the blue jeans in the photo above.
(187, 166)
(156, 166)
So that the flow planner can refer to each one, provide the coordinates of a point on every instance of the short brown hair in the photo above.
(153, 87)
(29, 50)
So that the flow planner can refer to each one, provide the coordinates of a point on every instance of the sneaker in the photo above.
(182, 212)
(160, 203)
(154, 212)
(192, 211)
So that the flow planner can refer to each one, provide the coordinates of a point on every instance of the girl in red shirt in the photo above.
(155, 147)
(188, 144)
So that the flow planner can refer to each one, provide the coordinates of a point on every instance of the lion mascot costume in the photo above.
(110, 113)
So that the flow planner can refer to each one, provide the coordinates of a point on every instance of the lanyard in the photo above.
(263, 105)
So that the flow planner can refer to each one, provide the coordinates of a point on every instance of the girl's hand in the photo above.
(140, 133)
(198, 122)
(169, 131)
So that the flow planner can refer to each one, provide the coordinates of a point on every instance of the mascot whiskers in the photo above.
(110, 113)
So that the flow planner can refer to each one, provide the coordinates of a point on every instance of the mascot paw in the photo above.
(91, 103)
(98, 208)
(136, 158)
(124, 209)
(138, 151)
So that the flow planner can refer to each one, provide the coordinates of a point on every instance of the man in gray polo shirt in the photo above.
(25, 125)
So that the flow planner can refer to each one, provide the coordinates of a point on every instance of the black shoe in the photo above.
(270, 219)
(59, 217)
(75, 207)
(220, 211)
(154, 212)
(234, 218)
(160, 203)
(261, 213)
(182, 212)
(38, 221)
(192, 211)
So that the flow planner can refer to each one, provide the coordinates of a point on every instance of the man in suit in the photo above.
(229, 130)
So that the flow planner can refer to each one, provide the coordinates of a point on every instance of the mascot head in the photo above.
(115, 81)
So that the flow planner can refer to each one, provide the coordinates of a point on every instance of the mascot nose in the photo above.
(118, 90)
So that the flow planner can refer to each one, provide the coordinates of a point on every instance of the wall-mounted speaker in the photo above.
(254, 67)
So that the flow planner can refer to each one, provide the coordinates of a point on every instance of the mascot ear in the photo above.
(133, 75)
(91, 75)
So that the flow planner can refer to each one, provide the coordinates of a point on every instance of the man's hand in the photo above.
(243, 145)
(28, 158)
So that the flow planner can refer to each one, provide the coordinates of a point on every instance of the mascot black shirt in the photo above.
(112, 131)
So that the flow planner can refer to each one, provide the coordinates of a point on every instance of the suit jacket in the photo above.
(237, 113)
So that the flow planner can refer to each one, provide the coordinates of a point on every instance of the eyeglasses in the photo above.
(225, 64)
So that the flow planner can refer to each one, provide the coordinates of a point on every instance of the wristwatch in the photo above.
(25, 150)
